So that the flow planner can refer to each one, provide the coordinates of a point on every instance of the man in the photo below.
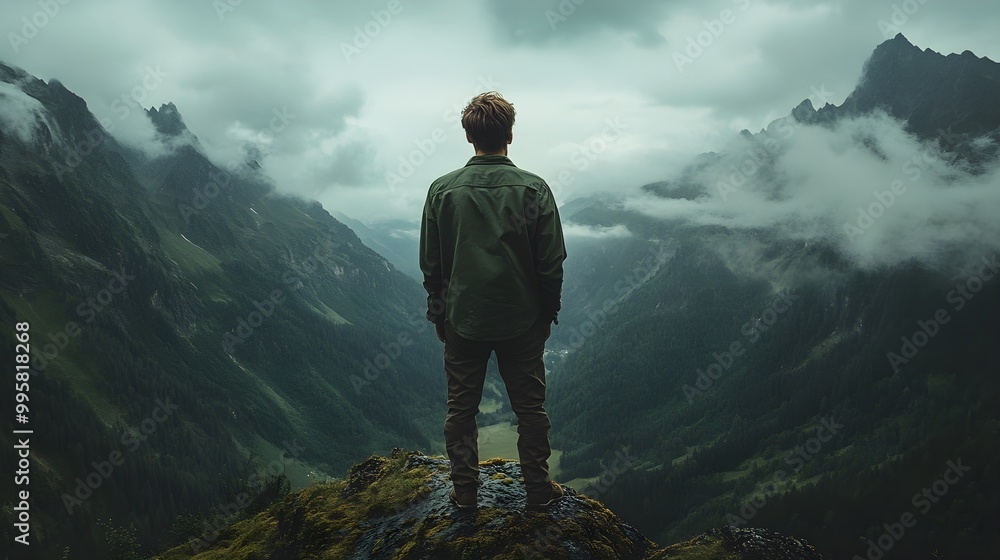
(491, 252)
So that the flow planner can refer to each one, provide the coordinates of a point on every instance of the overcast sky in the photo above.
(365, 85)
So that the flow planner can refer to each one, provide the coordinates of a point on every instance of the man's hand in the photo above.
(439, 329)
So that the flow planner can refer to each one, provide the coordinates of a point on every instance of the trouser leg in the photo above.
(523, 371)
(465, 368)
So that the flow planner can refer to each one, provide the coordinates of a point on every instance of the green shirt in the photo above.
(491, 250)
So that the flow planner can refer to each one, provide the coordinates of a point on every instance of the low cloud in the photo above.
(137, 131)
(596, 232)
(864, 186)
(20, 113)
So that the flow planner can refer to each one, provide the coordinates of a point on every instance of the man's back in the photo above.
(500, 245)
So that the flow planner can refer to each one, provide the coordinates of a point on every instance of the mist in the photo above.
(865, 186)
(19, 112)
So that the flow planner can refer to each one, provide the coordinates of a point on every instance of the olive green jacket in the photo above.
(491, 250)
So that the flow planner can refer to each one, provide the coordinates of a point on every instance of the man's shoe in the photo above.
(542, 501)
(465, 500)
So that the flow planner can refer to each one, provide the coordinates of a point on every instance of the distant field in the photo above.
(500, 440)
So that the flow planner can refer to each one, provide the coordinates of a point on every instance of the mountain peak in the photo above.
(928, 90)
(167, 120)
(899, 41)
(896, 48)
(804, 111)
(397, 507)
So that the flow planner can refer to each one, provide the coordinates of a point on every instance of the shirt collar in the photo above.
(490, 160)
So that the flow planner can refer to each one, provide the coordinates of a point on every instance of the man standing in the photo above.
(491, 252)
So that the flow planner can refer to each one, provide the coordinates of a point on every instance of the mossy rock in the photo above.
(397, 508)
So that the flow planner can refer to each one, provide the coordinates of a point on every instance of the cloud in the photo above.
(137, 131)
(355, 118)
(567, 21)
(595, 232)
(864, 186)
(19, 112)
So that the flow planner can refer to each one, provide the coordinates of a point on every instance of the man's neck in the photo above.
(500, 153)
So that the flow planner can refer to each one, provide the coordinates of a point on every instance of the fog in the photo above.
(19, 112)
(865, 186)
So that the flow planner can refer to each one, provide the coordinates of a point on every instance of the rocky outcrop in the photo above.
(397, 508)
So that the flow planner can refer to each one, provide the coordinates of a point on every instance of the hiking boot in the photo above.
(541, 501)
(464, 500)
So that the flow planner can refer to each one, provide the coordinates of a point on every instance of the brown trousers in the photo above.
(520, 363)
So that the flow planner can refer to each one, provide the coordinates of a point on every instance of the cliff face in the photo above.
(397, 508)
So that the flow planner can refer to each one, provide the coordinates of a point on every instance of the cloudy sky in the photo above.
(336, 97)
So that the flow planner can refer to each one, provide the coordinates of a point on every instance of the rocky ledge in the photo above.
(397, 508)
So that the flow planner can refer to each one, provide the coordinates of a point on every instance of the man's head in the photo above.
(487, 121)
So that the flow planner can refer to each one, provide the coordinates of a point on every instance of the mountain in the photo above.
(397, 240)
(928, 90)
(781, 373)
(397, 508)
(193, 333)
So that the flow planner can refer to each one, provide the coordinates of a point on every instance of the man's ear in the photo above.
(469, 138)
(510, 137)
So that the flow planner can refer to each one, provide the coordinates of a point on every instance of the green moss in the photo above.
(339, 519)
(318, 521)
(698, 548)
(502, 477)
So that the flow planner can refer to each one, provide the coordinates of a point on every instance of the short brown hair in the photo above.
(488, 119)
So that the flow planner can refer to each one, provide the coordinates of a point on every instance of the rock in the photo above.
(398, 508)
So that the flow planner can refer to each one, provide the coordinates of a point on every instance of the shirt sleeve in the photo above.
(430, 264)
(550, 252)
